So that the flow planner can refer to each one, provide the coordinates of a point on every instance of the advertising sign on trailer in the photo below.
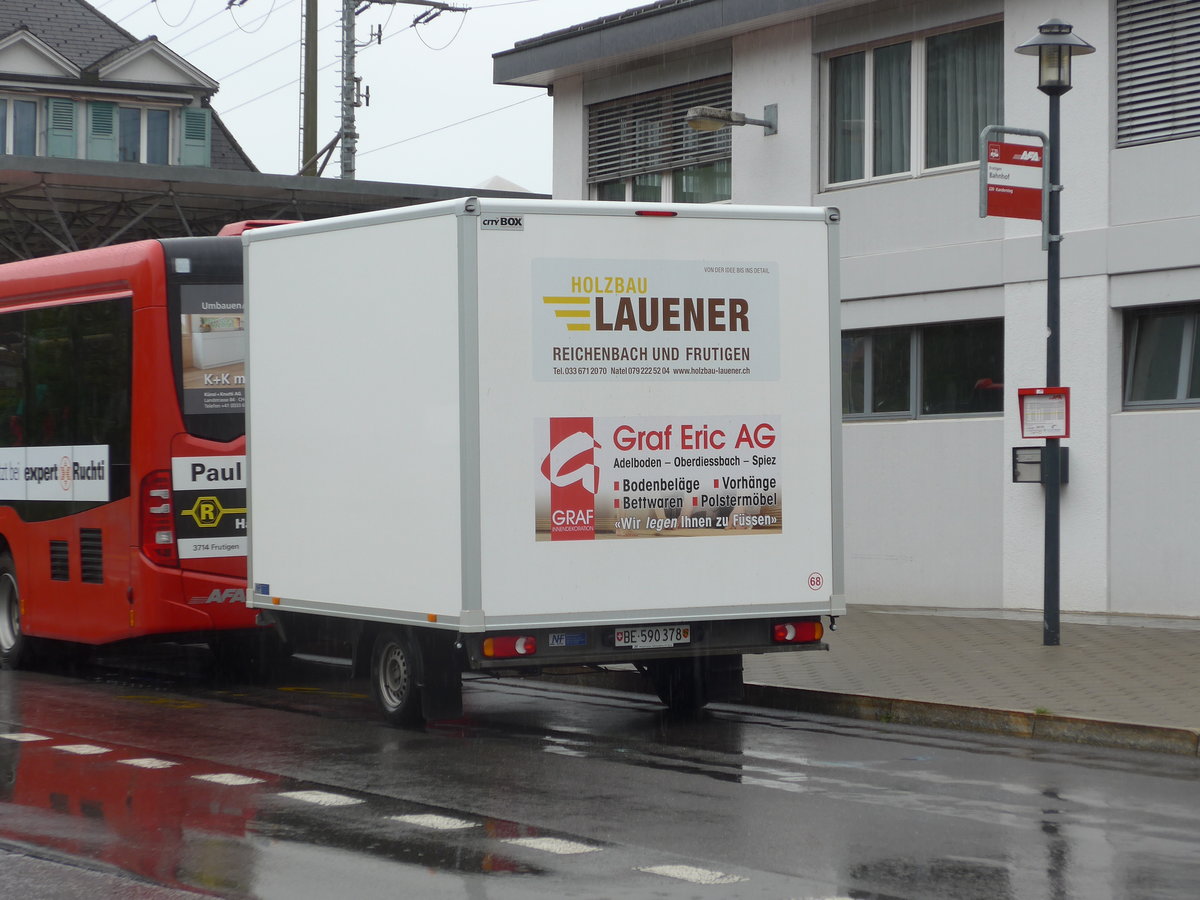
(645, 476)
(659, 320)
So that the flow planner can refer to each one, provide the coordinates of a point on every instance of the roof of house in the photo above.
(78, 31)
(657, 27)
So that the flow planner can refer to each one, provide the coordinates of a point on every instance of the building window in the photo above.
(948, 369)
(1163, 366)
(953, 83)
(1158, 53)
(144, 135)
(18, 126)
(640, 148)
(63, 127)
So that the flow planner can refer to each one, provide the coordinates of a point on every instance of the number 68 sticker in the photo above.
(816, 581)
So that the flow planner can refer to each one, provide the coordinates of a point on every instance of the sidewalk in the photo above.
(1117, 681)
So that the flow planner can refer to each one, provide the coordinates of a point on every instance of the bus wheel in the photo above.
(14, 646)
(395, 676)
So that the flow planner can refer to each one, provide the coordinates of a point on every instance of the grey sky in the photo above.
(420, 79)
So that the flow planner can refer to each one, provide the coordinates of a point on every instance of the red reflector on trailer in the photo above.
(661, 213)
(797, 632)
(509, 646)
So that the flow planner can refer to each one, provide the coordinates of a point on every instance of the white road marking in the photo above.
(321, 798)
(82, 749)
(692, 874)
(148, 762)
(24, 736)
(228, 778)
(552, 845)
(440, 823)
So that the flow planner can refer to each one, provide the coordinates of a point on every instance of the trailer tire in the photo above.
(395, 676)
(15, 647)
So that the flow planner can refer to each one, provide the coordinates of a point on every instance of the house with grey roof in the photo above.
(75, 85)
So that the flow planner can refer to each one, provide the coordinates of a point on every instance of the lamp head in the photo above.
(710, 118)
(1054, 45)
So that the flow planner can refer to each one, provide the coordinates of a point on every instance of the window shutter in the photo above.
(102, 131)
(195, 146)
(60, 131)
(1158, 70)
(646, 132)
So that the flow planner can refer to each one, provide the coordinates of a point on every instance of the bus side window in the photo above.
(12, 381)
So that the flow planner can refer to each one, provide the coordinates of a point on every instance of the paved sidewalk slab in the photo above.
(1125, 683)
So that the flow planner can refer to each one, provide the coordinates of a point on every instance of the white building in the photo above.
(880, 104)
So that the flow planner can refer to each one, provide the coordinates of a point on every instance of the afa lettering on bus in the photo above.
(229, 595)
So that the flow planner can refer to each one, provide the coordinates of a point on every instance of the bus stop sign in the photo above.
(1014, 180)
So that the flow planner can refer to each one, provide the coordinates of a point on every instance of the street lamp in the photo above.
(1053, 45)
(711, 118)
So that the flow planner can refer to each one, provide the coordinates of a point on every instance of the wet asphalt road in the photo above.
(121, 784)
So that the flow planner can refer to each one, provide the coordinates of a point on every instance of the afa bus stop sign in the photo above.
(1014, 180)
(1012, 177)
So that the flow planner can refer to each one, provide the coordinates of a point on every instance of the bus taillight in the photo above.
(158, 519)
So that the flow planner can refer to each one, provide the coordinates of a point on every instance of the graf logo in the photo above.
(65, 473)
(574, 478)
(570, 462)
(207, 512)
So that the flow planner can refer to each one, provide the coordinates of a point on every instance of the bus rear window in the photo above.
(207, 323)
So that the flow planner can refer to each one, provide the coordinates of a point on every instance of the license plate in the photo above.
(640, 636)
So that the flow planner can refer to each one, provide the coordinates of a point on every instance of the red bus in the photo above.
(122, 447)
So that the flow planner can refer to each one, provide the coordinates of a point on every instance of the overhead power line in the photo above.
(452, 124)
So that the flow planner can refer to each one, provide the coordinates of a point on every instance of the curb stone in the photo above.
(1009, 723)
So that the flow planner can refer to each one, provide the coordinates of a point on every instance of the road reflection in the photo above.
(226, 831)
(320, 800)
(180, 823)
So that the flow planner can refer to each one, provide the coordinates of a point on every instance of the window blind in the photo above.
(1158, 70)
(646, 132)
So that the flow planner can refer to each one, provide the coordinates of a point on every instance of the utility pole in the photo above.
(308, 99)
(349, 90)
(350, 82)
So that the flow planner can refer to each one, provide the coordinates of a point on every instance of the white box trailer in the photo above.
(494, 434)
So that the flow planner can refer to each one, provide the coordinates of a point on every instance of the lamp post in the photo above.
(1053, 45)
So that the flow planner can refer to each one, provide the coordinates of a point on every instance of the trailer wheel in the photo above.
(679, 684)
(395, 674)
(14, 646)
